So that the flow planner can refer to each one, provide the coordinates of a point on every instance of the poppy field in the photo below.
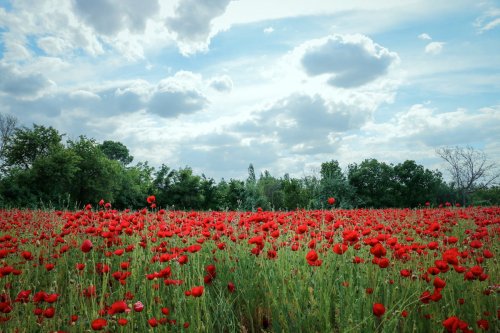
(387, 270)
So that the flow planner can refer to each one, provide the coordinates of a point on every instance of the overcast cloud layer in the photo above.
(219, 84)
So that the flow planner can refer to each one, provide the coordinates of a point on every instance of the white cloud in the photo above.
(54, 46)
(424, 36)
(108, 17)
(348, 60)
(221, 83)
(18, 84)
(489, 20)
(192, 23)
(268, 30)
(434, 48)
(432, 127)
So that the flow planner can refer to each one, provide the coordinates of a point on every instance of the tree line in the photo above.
(40, 170)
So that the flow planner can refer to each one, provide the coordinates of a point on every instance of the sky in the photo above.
(285, 85)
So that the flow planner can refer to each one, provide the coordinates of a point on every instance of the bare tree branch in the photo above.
(470, 169)
(8, 125)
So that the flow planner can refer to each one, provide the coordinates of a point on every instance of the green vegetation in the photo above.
(39, 169)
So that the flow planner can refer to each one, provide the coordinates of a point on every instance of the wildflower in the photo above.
(378, 309)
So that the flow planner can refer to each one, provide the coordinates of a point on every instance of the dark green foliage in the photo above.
(39, 170)
(116, 151)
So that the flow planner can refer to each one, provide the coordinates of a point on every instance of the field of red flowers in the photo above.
(393, 270)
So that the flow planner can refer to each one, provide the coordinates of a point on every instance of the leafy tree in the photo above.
(293, 193)
(234, 194)
(487, 196)
(209, 193)
(116, 151)
(253, 196)
(271, 188)
(374, 183)
(185, 191)
(98, 176)
(416, 185)
(162, 183)
(52, 176)
(26, 145)
(334, 184)
(312, 192)
(135, 185)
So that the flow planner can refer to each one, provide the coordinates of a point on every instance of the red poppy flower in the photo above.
(138, 306)
(49, 312)
(118, 307)
(86, 246)
(312, 256)
(331, 201)
(378, 309)
(153, 322)
(197, 291)
(122, 321)
(98, 324)
(340, 248)
(151, 199)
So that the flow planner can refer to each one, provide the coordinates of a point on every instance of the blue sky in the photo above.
(285, 85)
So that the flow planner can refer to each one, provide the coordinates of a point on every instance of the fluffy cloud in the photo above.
(192, 22)
(54, 46)
(110, 16)
(424, 36)
(348, 60)
(303, 123)
(221, 83)
(19, 84)
(434, 48)
(432, 128)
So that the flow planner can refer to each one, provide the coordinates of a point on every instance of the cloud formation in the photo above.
(434, 48)
(348, 60)
(424, 36)
(19, 84)
(222, 83)
(108, 17)
(192, 22)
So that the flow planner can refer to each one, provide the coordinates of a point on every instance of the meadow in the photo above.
(385, 270)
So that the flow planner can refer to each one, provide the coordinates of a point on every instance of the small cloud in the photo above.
(349, 60)
(424, 36)
(434, 48)
(268, 30)
(222, 83)
(192, 23)
(490, 25)
(488, 21)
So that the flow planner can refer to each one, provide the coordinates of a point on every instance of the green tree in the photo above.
(293, 193)
(374, 183)
(253, 196)
(136, 184)
(416, 185)
(271, 188)
(98, 176)
(26, 145)
(209, 193)
(116, 151)
(334, 184)
(185, 190)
